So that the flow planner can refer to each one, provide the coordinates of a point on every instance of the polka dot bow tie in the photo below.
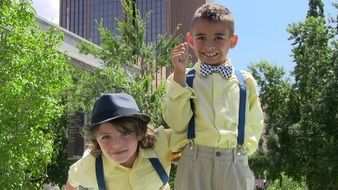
(225, 70)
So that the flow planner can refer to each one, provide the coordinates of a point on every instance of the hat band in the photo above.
(113, 114)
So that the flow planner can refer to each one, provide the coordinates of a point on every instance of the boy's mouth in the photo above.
(119, 152)
(209, 54)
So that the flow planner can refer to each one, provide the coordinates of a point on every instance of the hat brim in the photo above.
(142, 117)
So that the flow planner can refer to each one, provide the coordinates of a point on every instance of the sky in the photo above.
(261, 26)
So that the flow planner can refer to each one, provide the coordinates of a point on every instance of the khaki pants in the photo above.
(206, 168)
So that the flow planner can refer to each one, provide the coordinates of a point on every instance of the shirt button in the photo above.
(218, 154)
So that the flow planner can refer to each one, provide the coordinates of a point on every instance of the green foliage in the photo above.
(301, 117)
(172, 175)
(258, 163)
(316, 8)
(57, 169)
(274, 91)
(32, 77)
(316, 88)
(286, 183)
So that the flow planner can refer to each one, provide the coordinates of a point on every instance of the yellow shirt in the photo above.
(141, 176)
(216, 111)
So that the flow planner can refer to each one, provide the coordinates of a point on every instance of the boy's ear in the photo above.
(233, 41)
(189, 39)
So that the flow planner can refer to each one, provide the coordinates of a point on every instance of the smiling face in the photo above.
(211, 41)
(120, 147)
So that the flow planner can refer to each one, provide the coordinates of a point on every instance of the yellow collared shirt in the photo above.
(216, 111)
(141, 176)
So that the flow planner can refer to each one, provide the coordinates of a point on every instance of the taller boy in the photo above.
(207, 99)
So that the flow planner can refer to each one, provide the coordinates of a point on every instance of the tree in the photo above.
(275, 90)
(286, 183)
(129, 64)
(33, 76)
(301, 117)
(57, 169)
(316, 88)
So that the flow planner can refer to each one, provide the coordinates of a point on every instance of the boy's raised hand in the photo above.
(179, 59)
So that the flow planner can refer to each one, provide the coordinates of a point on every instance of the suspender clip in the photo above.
(191, 144)
(240, 150)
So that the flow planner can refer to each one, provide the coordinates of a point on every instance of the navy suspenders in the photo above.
(242, 101)
(99, 173)
(154, 162)
(191, 125)
(160, 170)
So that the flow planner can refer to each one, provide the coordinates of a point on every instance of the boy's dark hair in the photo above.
(125, 125)
(214, 13)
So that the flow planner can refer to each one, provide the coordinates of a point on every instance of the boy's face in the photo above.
(211, 41)
(117, 146)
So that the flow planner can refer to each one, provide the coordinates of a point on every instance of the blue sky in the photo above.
(261, 26)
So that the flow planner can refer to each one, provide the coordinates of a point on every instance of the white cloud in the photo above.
(48, 9)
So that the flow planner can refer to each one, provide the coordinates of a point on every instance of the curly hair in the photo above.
(125, 125)
(214, 13)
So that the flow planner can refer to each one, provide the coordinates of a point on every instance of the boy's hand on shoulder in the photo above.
(179, 59)
(176, 156)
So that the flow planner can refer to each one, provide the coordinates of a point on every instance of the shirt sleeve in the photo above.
(162, 146)
(177, 112)
(255, 121)
(80, 173)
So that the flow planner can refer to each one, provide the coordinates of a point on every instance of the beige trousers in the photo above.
(206, 168)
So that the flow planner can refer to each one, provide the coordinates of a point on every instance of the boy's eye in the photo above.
(220, 37)
(200, 37)
(105, 137)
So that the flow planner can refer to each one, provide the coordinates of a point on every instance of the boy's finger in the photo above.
(186, 48)
(180, 54)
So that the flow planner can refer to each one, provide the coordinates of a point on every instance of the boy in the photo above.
(123, 153)
(222, 119)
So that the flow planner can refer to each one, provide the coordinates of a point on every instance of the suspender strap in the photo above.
(160, 170)
(191, 126)
(99, 173)
(154, 162)
(242, 102)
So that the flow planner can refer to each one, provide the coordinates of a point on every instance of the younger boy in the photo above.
(217, 109)
(123, 153)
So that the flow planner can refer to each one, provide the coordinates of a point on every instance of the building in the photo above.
(68, 46)
(80, 16)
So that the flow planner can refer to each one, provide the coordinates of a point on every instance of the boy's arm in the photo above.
(176, 109)
(177, 112)
(255, 121)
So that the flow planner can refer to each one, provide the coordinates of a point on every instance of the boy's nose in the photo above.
(117, 142)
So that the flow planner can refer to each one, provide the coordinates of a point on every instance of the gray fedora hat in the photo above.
(113, 106)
